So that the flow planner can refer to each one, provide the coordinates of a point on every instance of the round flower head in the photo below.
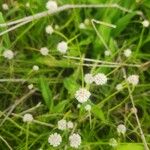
(145, 23)
(133, 79)
(88, 78)
(127, 52)
(8, 54)
(87, 107)
(133, 110)
(87, 22)
(119, 87)
(62, 47)
(107, 53)
(44, 51)
(27, 118)
(69, 125)
(27, 5)
(82, 95)
(100, 79)
(62, 124)
(49, 29)
(55, 139)
(113, 142)
(5, 6)
(30, 87)
(75, 140)
(35, 68)
(51, 5)
(82, 26)
(121, 129)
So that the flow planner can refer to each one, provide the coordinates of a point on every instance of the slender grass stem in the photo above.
(27, 136)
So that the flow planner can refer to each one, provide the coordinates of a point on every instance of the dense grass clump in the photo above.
(75, 76)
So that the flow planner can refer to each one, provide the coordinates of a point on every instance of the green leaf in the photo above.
(122, 24)
(46, 92)
(98, 113)
(5, 37)
(53, 62)
(60, 106)
(71, 85)
(130, 146)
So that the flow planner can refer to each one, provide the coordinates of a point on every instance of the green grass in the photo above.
(59, 77)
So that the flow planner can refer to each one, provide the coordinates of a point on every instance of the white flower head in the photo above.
(75, 140)
(100, 79)
(133, 110)
(82, 95)
(51, 5)
(82, 26)
(87, 22)
(133, 79)
(5, 6)
(69, 124)
(62, 47)
(88, 78)
(55, 139)
(88, 107)
(62, 124)
(145, 23)
(49, 29)
(127, 52)
(107, 52)
(30, 86)
(27, 118)
(121, 129)
(35, 68)
(27, 5)
(119, 87)
(44, 51)
(113, 142)
(9, 54)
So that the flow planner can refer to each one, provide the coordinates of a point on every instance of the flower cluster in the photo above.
(75, 140)
(85, 24)
(27, 118)
(99, 79)
(62, 47)
(107, 52)
(44, 51)
(82, 95)
(9, 54)
(133, 79)
(121, 129)
(127, 52)
(35, 68)
(5, 6)
(55, 139)
(30, 86)
(88, 78)
(119, 87)
(63, 124)
(145, 23)
(49, 29)
(51, 5)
